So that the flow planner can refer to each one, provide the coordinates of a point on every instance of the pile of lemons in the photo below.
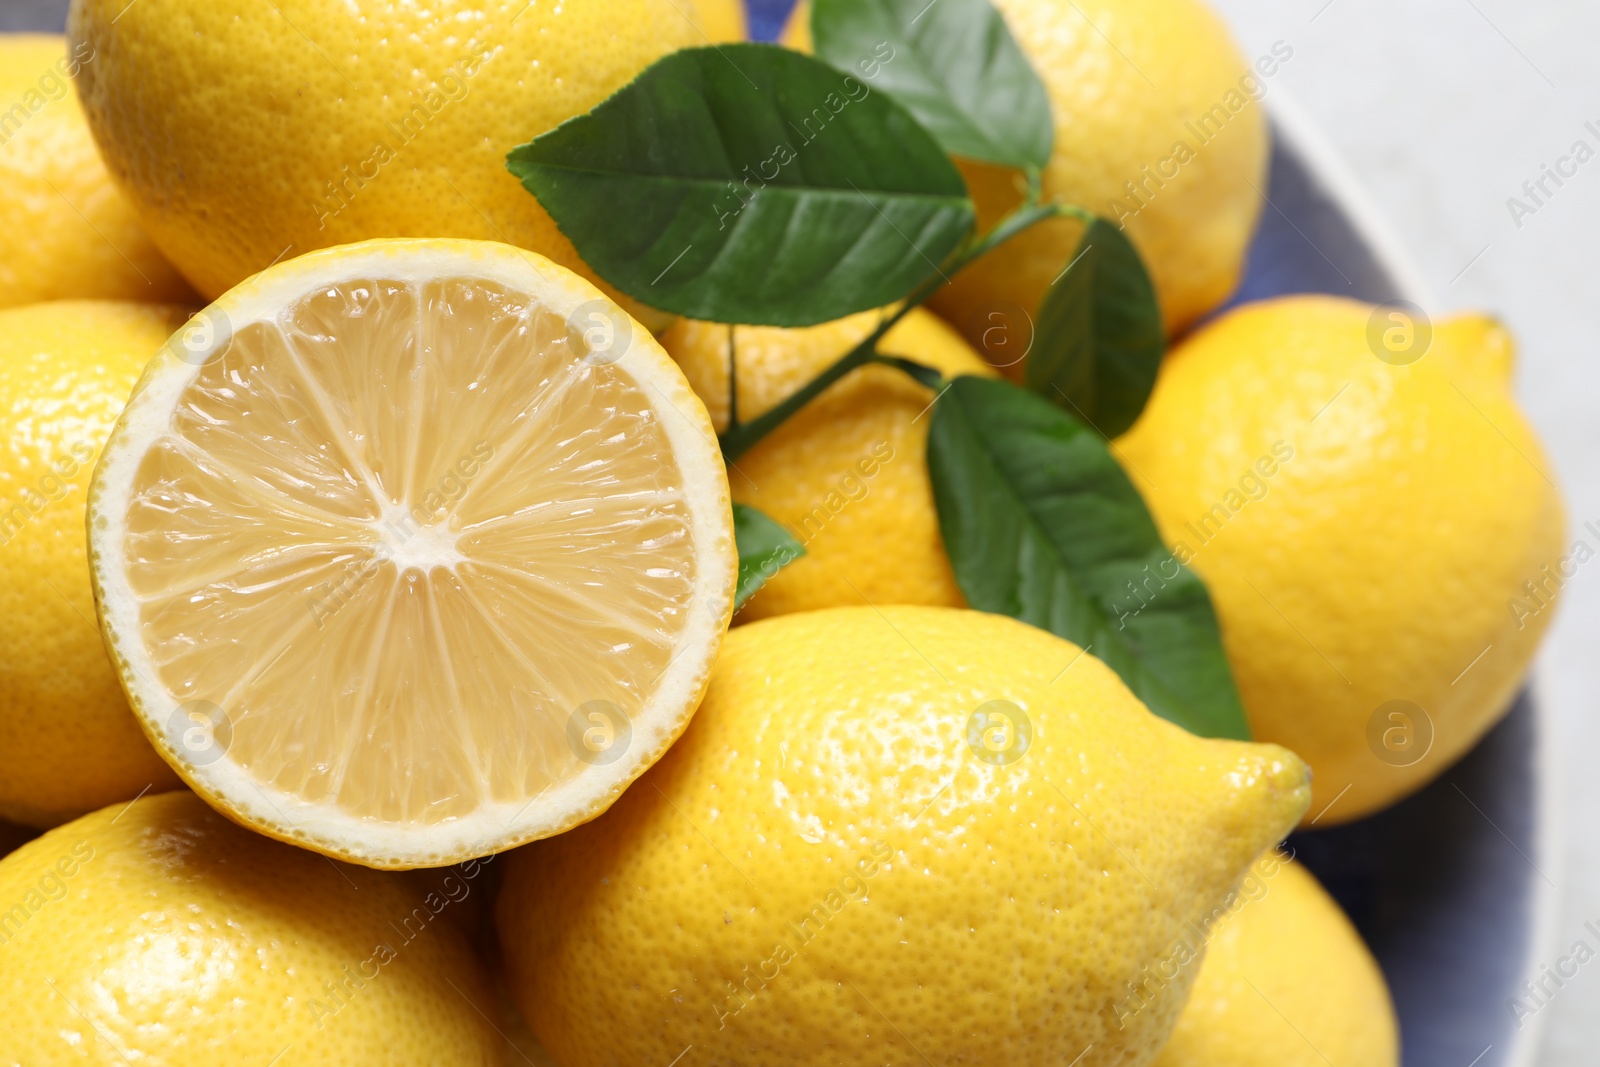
(809, 849)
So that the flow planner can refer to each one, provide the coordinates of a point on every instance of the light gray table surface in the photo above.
(1443, 109)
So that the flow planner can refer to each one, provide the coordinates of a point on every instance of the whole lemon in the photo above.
(160, 932)
(249, 134)
(1156, 128)
(1376, 522)
(847, 474)
(890, 833)
(68, 743)
(65, 230)
(1286, 982)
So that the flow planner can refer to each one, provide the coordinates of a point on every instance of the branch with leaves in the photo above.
(751, 184)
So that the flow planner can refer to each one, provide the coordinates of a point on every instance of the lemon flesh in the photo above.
(404, 568)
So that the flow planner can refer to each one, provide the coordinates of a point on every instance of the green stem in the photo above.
(1021, 219)
(923, 373)
(736, 442)
(740, 438)
(1071, 211)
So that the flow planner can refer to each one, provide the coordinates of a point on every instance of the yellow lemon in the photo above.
(723, 20)
(413, 550)
(1156, 127)
(1286, 982)
(847, 474)
(67, 742)
(1376, 523)
(521, 1045)
(160, 932)
(891, 833)
(65, 230)
(248, 135)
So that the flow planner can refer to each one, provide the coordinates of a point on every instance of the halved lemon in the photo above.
(412, 551)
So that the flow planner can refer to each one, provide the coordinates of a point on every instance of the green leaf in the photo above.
(764, 549)
(953, 64)
(751, 184)
(1043, 525)
(1099, 340)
